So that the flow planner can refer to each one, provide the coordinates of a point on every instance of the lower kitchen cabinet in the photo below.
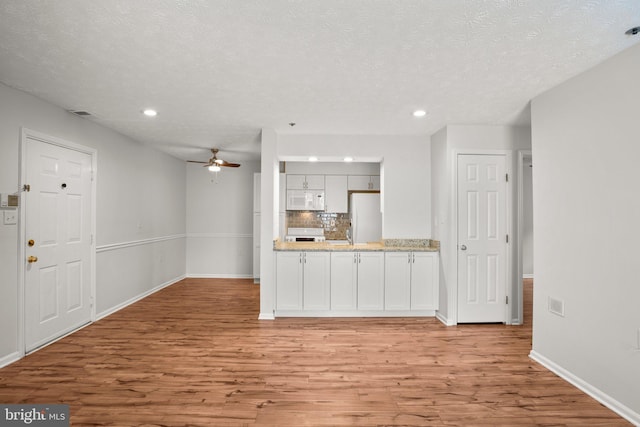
(352, 283)
(411, 281)
(370, 281)
(344, 281)
(357, 281)
(302, 280)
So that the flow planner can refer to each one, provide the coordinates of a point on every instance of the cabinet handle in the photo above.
(355, 258)
(359, 260)
(409, 258)
(414, 258)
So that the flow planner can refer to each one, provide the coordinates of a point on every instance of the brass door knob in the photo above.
(32, 259)
(31, 242)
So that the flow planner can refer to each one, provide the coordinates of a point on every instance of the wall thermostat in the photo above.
(8, 200)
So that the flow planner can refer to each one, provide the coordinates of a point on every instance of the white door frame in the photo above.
(453, 292)
(522, 155)
(22, 232)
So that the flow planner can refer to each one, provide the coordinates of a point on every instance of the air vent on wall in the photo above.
(556, 306)
(80, 113)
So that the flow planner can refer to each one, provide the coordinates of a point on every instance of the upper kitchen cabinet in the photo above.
(364, 182)
(305, 182)
(336, 195)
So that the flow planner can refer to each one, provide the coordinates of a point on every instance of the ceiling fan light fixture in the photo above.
(214, 168)
(149, 112)
(419, 113)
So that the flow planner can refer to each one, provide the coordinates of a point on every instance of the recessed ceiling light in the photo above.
(149, 112)
(348, 159)
(313, 159)
(419, 113)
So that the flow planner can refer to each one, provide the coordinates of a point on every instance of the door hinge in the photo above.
(507, 238)
(26, 188)
(506, 177)
(506, 299)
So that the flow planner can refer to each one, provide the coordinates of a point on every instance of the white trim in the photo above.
(10, 358)
(122, 245)
(527, 276)
(266, 316)
(219, 276)
(453, 293)
(25, 134)
(522, 155)
(608, 401)
(443, 319)
(219, 236)
(355, 313)
(137, 298)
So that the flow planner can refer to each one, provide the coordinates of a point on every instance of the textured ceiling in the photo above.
(219, 71)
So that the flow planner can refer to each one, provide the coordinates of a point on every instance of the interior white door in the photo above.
(482, 238)
(58, 248)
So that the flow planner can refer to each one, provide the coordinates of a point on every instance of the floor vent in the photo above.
(556, 306)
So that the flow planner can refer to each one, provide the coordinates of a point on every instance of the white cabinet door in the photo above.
(336, 194)
(375, 182)
(296, 182)
(289, 281)
(370, 281)
(397, 280)
(358, 182)
(305, 182)
(315, 182)
(316, 280)
(424, 281)
(344, 279)
(364, 182)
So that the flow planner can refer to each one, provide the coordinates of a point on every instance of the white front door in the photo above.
(482, 238)
(58, 247)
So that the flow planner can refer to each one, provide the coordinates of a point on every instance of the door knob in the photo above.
(32, 259)
(463, 247)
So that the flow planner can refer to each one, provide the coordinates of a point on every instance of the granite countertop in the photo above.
(383, 246)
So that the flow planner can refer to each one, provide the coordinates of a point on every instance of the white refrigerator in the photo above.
(366, 219)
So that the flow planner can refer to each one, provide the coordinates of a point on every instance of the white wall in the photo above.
(405, 174)
(140, 209)
(220, 221)
(446, 143)
(405, 177)
(586, 212)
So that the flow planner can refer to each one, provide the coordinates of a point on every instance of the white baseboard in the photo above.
(137, 298)
(527, 276)
(266, 316)
(10, 358)
(443, 319)
(219, 276)
(611, 403)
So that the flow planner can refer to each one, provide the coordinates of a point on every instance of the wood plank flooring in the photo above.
(195, 354)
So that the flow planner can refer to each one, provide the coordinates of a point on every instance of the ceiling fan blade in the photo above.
(197, 161)
(229, 165)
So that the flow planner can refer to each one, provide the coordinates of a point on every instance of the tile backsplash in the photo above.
(335, 224)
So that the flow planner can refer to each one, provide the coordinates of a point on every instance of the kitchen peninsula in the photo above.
(390, 278)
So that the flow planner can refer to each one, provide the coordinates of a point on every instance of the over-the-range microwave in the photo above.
(305, 200)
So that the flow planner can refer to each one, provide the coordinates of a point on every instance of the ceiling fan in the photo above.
(214, 162)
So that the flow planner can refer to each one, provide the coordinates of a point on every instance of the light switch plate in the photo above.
(10, 217)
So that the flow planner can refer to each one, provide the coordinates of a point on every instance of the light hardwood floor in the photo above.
(195, 354)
